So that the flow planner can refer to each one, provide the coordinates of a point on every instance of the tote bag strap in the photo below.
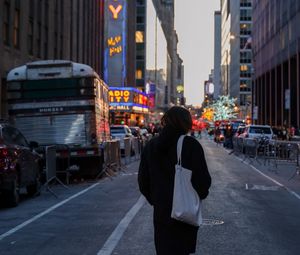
(179, 148)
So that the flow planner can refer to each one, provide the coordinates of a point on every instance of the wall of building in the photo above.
(225, 45)
(217, 55)
(35, 30)
(276, 48)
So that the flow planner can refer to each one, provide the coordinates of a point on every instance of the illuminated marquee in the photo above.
(119, 96)
(122, 98)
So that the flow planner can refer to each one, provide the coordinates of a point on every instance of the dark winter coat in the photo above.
(156, 182)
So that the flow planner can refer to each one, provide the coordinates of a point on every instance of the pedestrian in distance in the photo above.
(156, 181)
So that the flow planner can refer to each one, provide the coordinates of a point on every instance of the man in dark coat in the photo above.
(156, 181)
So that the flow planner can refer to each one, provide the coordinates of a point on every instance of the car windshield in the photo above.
(260, 130)
(117, 130)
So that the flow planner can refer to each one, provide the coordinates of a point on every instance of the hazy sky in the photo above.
(194, 23)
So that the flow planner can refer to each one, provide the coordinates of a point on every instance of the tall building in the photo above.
(236, 53)
(125, 48)
(158, 77)
(140, 41)
(225, 45)
(165, 13)
(58, 29)
(276, 49)
(217, 55)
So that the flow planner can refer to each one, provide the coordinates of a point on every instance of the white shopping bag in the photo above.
(186, 202)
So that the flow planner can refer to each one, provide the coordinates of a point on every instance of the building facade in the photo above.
(217, 55)
(276, 49)
(165, 13)
(125, 43)
(140, 42)
(236, 53)
(241, 55)
(41, 29)
(225, 46)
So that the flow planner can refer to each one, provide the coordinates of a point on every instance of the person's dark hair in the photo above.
(177, 118)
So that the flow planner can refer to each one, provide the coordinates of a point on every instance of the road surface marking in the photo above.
(116, 235)
(52, 208)
(262, 187)
(271, 179)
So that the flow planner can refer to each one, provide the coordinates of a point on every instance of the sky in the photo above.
(194, 23)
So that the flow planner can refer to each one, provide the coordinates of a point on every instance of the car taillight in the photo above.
(3, 158)
(3, 152)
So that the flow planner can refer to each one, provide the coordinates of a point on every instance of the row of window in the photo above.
(30, 28)
(16, 24)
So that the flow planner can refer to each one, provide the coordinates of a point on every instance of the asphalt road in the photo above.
(245, 213)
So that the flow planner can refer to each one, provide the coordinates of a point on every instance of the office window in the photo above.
(138, 74)
(16, 31)
(30, 36)
(140, 2)
(139, 37)
(140, 19)
(46, 43)
(244, 68)
(6, 12)
(38, 39)
(245, 85)
(246, 15)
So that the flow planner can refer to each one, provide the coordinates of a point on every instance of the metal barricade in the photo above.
(63, 162)
(112, 158)
(269, 149)
(287, 152)
(238, 145)
(50, 156)
(127, 149)
(136, 145)
(250, 147)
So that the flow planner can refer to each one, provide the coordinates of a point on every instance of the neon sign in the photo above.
(119, 96)
(128, 96)
(115, 11)
(115, 42)
(113, 46)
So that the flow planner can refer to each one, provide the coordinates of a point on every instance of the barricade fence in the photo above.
(270, 151)
(115, 153)
(51, 170)
(111, 157)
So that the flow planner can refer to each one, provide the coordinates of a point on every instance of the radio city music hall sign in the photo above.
(115, 43)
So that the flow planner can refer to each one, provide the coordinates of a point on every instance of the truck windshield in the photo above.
(50, 88)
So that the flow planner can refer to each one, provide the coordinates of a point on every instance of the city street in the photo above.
(250, 210)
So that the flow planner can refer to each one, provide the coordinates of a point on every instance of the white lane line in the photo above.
(246, 186)
(116, 235)
(24, 224)
(271, 179)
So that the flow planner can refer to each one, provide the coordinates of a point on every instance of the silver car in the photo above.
(257, 131)
(120, 132)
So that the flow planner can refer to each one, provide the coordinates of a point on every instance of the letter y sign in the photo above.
(115, 11)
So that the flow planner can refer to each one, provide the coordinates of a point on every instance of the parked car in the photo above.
(257, 131)
(120, 132)
(20, 165)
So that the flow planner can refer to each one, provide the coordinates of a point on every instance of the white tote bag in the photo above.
(186, 202)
